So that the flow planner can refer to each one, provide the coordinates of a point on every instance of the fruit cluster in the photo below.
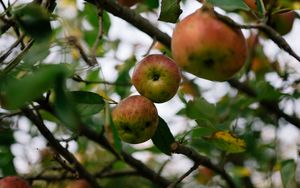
(156, 78)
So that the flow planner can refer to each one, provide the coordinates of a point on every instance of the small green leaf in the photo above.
(201, 132)
(34, 20)
(6, 161)
(287, 171)
(199, 108)
(29, 88)
(260, 8)
(152, 3)
(123, 78)
(38, 52)
(170, 11)
(230, 5)
(163, 137)
(87, 103)
(265, 91)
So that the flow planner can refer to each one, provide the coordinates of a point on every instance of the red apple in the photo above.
(136, 119)
(251, 4)
(207, 47)
(13, 182)
(81, 183)
(156, 77)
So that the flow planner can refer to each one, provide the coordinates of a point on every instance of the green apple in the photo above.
(207, 47)
(136, 119)
(13, 182)
(156, 77)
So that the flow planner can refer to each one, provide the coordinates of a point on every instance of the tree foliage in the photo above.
(62, 73)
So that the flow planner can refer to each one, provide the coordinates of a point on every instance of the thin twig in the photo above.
(12, 64)
(74, 42)
(79, 79)
(8, 52)
(173, 185)
(10, 115)
(99, 34)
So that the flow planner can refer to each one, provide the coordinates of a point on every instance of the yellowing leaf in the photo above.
(241, 171)
(227, 141)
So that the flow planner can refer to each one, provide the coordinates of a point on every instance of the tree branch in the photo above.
(134, 163)
(270, 106)
(113, 174)
(38, 121)
(201, 160)
(133, 18)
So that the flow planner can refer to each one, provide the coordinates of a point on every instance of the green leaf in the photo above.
(201, 132)
(199, 108)
(230, 5)
(260, 8)
(87, 103)
(34, 20)
(170, 11)
(38, 52)
(6, 161)
(287, 171)
(152, 3)
(163, 137)
(265, 91)
(64, 106)
(31, 87)
(124, 78)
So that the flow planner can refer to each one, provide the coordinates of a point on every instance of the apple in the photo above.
(13, 182)
(128, 3)
(204, 175)
(283, 22)
(81, 183)
(135, 118)
(251, 4)
(156, 77)
(207, 47)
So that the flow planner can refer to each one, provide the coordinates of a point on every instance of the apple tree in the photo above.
(148, 93)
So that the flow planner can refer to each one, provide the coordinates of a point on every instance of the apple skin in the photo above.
(156, 77)
(128, 3)
(13, 182)
(207, 47)
(135, 118)
(283, 22)
(251, 4)
(81, 183)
